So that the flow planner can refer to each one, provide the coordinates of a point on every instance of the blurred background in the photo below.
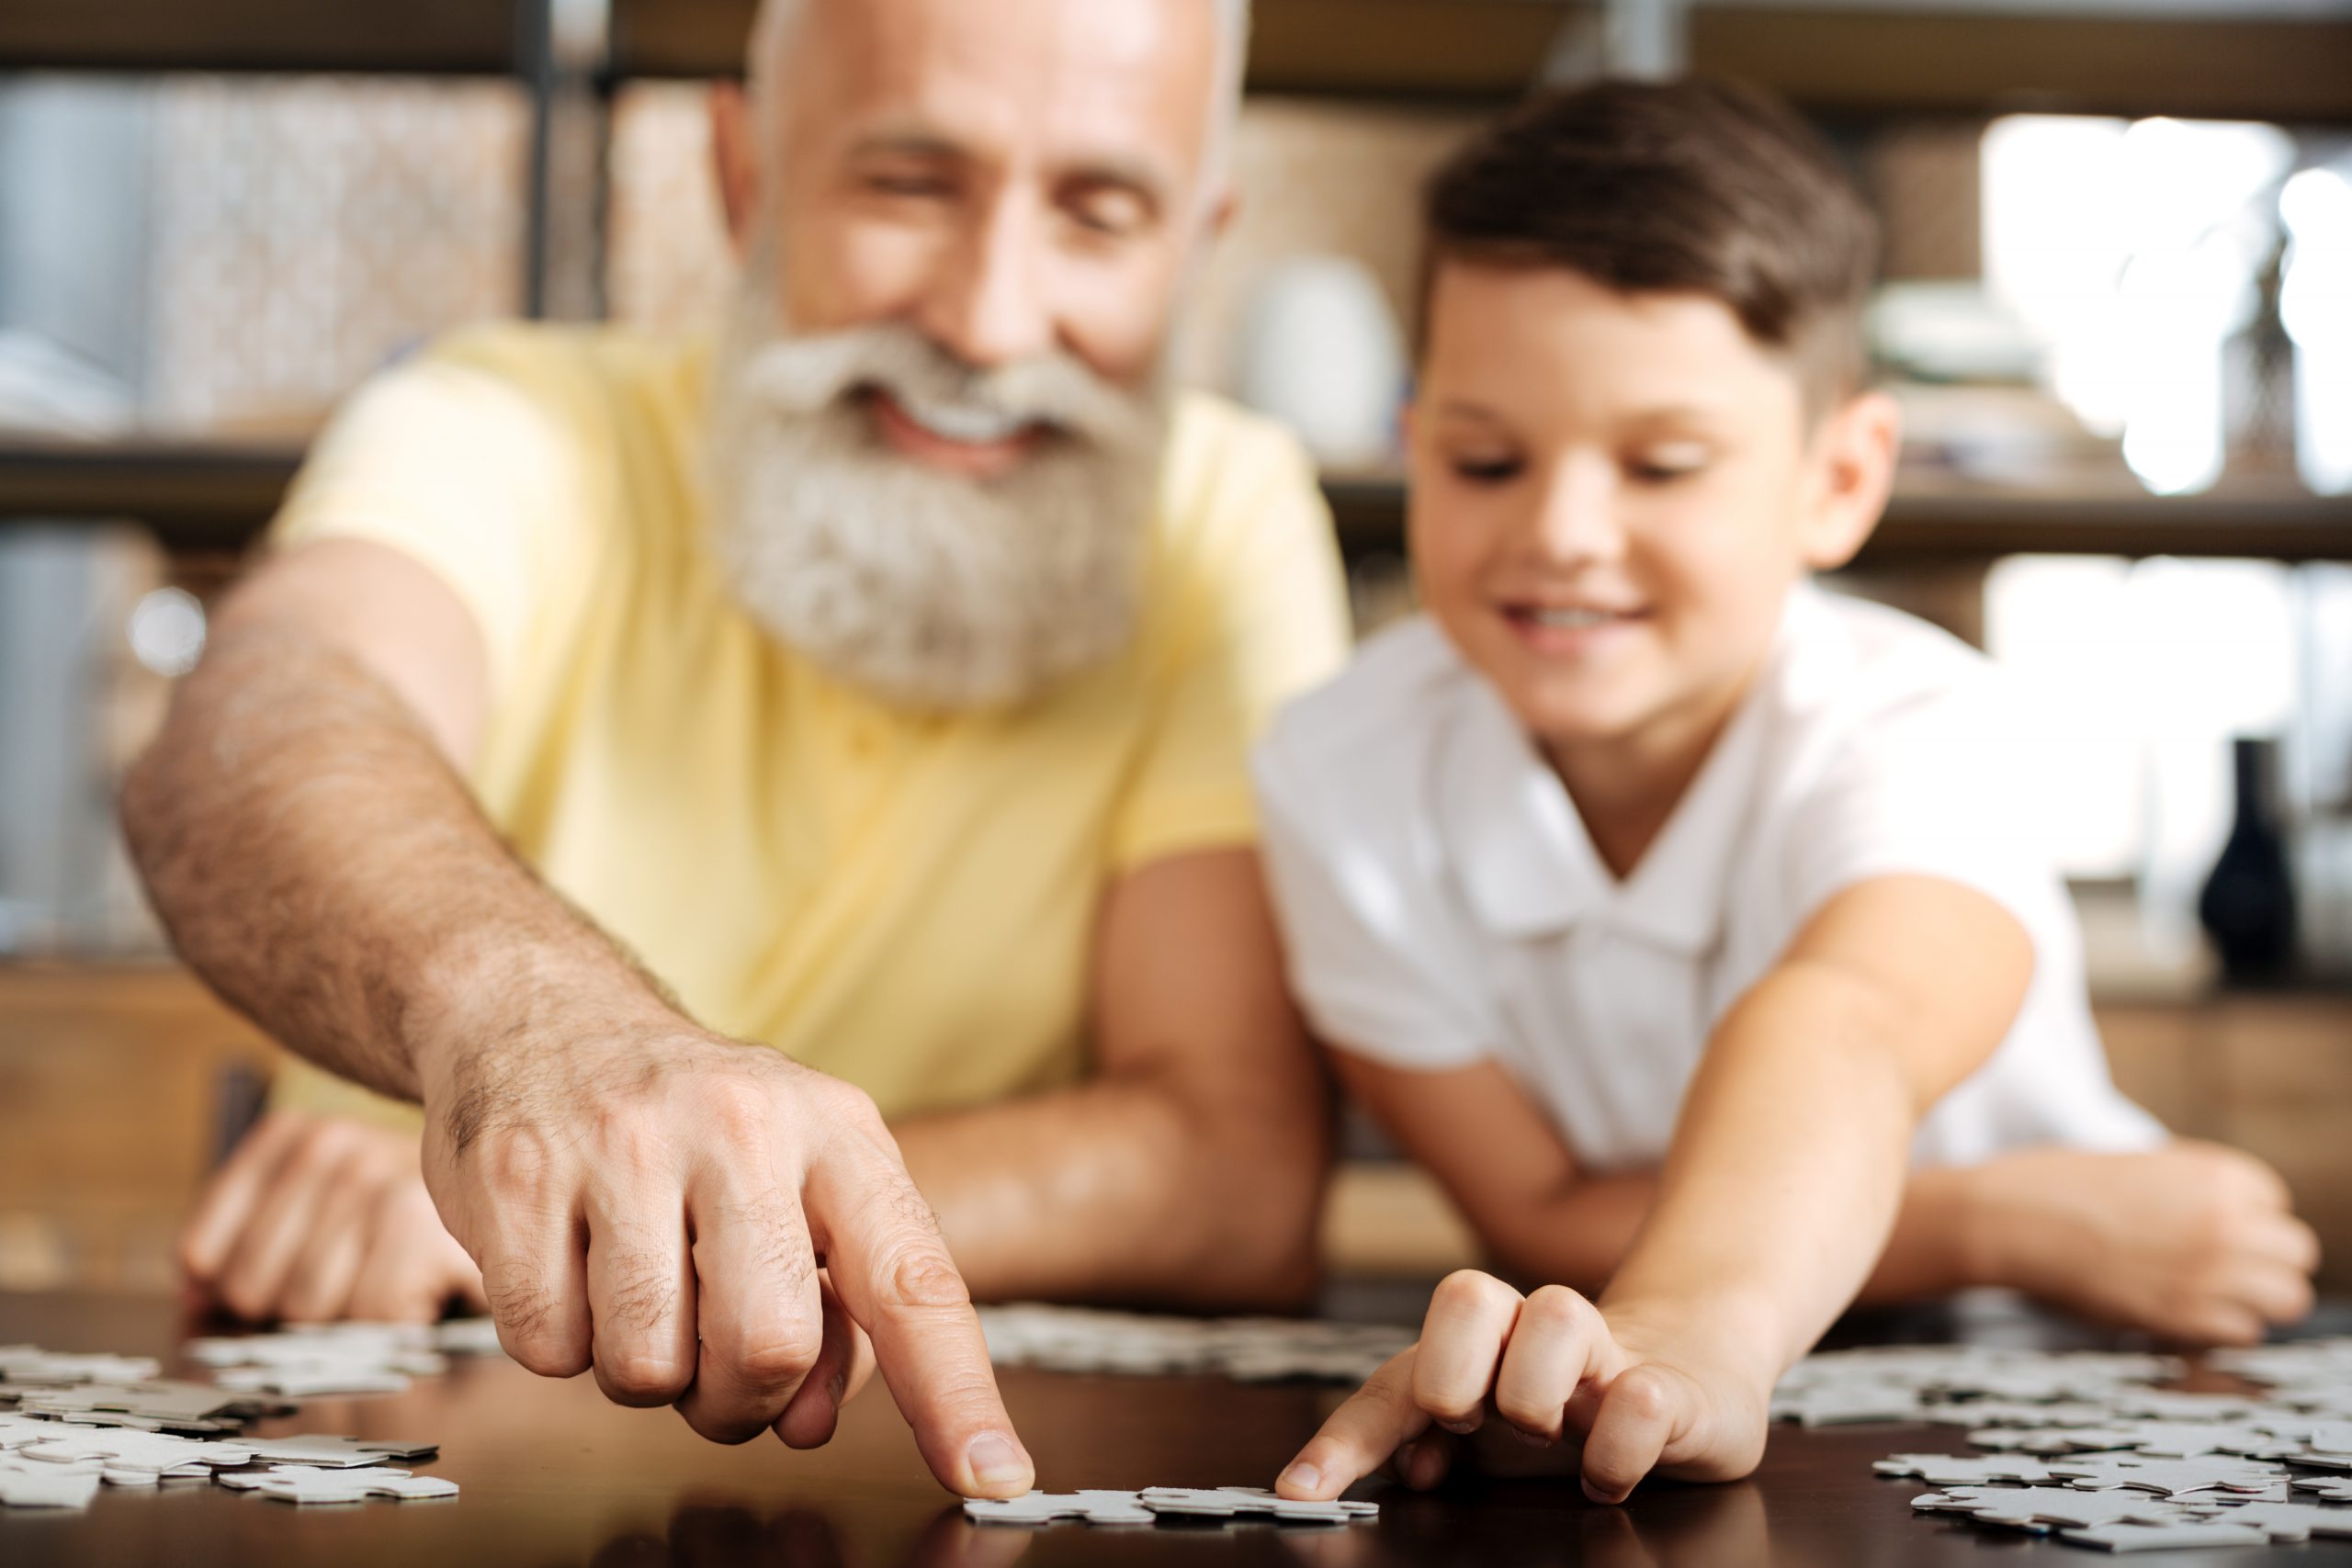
(2117, 306)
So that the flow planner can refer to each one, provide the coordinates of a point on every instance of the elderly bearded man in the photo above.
(742, 796)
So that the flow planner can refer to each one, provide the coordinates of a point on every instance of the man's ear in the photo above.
(1853, 464)
(1222, 207)
(734, 160)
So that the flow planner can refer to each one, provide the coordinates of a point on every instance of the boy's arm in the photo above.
(1543, 1221)
(1777, 1196)
(1789, 1163)
(2190, 1241)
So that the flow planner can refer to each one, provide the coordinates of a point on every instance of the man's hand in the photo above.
(2193, 1242)
(1644, 1393)
(710, 1224)
(316, 1218)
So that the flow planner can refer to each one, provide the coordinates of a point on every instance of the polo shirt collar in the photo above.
(1529, 868)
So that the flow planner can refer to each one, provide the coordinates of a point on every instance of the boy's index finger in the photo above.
(1377, 1419)
(891, 1269)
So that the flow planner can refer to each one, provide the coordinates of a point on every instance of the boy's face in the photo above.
(1612, 494)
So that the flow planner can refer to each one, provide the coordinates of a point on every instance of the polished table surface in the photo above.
(553, 1474)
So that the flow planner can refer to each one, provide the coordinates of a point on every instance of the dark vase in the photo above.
(2248, 905)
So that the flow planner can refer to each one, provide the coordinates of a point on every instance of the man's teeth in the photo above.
(1572, 620)
(965, 422)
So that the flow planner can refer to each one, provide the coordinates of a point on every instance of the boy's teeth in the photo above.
(972, 425)
(1572, 620)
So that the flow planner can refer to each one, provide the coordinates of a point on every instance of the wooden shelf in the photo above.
(1850, 59)
(1859, 61)
(419, 36)
(201, 498)
(197, 498)
(1948, 525)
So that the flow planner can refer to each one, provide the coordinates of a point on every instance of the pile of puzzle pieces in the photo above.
(2089, 1448)
(1250, 1350)
(1155, 1502)
(71, 1422)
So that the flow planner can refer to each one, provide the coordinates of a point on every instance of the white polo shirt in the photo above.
(1441, 903)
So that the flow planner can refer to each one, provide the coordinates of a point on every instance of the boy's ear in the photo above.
(1853, 470)
(734, 160)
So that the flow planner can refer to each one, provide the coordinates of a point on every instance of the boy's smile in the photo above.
(1612, 496)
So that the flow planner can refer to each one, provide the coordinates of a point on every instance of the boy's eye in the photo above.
(1487, 471)
(1667, 463)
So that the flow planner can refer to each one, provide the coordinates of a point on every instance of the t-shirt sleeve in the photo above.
(1261, 616)
(457, 466)
(1938, 787)
(1365, 961)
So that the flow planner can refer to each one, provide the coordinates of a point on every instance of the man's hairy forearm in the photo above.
(1122, 1188)
(317, 862)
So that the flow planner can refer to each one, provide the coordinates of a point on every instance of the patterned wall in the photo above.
(306, 229)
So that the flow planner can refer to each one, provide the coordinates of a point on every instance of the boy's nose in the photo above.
(986, 305)
(1576, 518)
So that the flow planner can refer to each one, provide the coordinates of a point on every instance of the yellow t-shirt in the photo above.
(904, 901)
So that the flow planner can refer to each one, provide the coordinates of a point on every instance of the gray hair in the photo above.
(773, 28)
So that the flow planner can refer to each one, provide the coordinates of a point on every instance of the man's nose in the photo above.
(986, 306)
(1576, 517)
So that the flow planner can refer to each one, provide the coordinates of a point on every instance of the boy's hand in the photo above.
(1644, 1392)
(2193, 1241)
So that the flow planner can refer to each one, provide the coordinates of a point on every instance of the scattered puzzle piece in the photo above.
(2054, 1506)
(1233, 1501)
(24, 1485)
(2165, 1537)
(326, 1451)
(308, 1484)
(1956, 1470)
(1044, 1508)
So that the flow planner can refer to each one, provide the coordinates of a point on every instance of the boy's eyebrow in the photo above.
(1677, 413)
(1660, 414)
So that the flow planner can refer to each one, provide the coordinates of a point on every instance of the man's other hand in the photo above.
(316, 1218)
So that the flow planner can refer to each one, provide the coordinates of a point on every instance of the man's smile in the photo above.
(962, 438)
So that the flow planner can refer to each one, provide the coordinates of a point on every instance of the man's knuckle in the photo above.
(848, 1106)
(519, 1166)
(645, 1374)
(779, 1360)
(924, 1278)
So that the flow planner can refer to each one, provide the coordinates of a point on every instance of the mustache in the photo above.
(801, 377)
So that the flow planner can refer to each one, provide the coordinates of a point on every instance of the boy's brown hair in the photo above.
(1692, 187)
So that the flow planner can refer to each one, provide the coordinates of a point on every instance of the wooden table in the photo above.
(553, 1474)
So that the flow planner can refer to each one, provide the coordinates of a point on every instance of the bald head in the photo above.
(776, 35)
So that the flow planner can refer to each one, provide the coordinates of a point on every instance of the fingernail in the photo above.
(996, 1461)
(1603, 1497)
(1533, 1439)
(1460, 1428)
(1301, 1477)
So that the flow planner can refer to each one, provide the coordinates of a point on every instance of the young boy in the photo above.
(1666, 908)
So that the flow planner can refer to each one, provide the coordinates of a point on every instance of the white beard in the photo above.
(932, 591)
